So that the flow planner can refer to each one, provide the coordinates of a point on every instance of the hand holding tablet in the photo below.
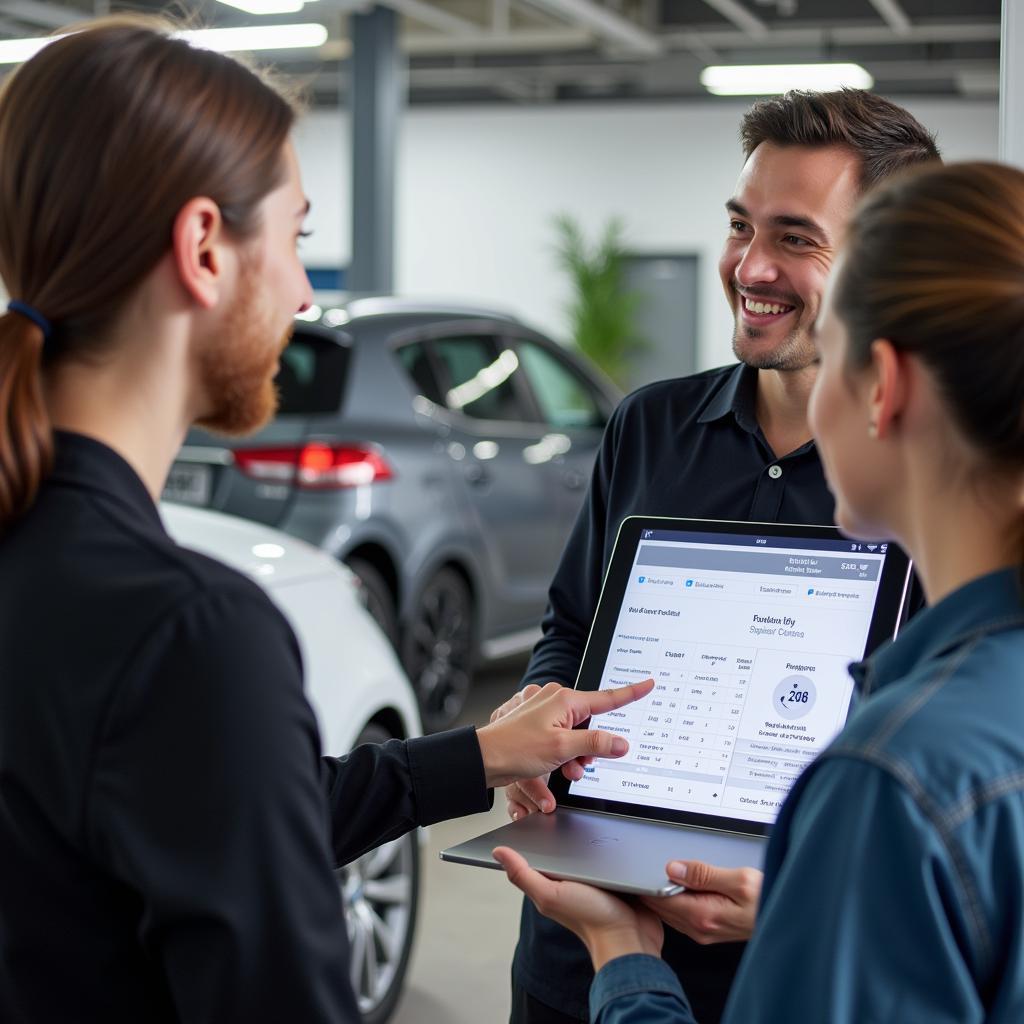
(607, 925)
(718, 904)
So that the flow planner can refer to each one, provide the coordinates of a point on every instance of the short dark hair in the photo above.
(886, 137)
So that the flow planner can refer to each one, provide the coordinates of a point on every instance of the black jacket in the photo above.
(168, 828)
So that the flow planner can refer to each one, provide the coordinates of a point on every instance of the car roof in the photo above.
(335, 310)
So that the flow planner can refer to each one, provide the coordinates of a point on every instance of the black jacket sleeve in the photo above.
(381, 791)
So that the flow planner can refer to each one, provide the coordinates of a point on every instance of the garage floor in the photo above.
(469, 917)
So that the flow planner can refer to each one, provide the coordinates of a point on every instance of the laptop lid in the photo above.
(748, 630)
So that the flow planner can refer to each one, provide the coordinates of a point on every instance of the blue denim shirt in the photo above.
(894, 880)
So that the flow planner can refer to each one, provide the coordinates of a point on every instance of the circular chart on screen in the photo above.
(794, 696)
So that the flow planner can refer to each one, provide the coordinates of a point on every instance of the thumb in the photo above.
(698, 876)
(596, 743)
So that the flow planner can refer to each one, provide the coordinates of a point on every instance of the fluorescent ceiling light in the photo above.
(765, 79)
(15, 51)
(223, 40)
(261, 37)
(267, 6)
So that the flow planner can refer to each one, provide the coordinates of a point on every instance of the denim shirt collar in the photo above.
(988, 604)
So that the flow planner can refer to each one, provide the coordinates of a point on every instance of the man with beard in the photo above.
(167, 827)
(731, 443)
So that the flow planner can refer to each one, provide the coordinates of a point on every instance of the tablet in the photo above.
(748, 630)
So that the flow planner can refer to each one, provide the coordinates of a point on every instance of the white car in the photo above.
(360, 694)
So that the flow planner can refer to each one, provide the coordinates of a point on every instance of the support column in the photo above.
(1011, 84)
(375, 97)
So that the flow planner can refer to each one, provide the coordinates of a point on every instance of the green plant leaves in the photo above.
(602, 310)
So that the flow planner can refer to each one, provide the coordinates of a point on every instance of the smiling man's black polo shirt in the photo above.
(687, 447)
(167, 826)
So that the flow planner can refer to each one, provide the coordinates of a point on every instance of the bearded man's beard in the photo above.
(237, 370)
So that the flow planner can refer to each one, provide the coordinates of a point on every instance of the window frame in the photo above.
(602, 399)
(498, 334)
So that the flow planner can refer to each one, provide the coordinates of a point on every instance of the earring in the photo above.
(873, 430)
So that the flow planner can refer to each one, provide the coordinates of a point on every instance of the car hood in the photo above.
(270, 557)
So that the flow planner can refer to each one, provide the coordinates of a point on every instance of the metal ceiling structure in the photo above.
(544, 51)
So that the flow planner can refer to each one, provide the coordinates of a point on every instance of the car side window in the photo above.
(565, 399)
(312, 375)
(480, 372)
(416, 361)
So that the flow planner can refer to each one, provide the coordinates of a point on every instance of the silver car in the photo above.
(442, 453)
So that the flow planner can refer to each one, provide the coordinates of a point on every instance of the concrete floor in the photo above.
(469, 917)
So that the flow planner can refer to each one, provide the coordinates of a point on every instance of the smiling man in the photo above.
(731, 443)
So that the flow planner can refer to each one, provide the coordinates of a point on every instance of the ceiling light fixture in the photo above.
(267, 6)
(767, 79)
(223, 40)
(259, 37)
(15, 51)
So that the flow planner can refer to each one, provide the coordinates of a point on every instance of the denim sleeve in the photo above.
(866, 918)
(641, 989)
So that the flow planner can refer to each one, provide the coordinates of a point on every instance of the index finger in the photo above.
(595, 702)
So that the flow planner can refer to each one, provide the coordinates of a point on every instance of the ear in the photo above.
(890, 387)
(197, 238)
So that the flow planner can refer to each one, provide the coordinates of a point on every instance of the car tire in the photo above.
(437, 648)
(380, 893)
(376, 597)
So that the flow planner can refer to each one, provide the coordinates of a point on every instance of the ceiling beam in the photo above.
(501, 15)
(735, 12)
(703, 43)
(42, 12)
(725, 39)
(428, 45)
(435, 17)
(893, 15)
(607, 24)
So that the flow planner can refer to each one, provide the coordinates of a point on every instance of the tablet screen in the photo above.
(748, 637)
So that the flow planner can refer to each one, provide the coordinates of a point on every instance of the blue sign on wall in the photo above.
(327, 279)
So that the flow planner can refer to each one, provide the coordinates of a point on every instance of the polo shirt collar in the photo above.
(989, 604)
(738, 396)
(84, 462)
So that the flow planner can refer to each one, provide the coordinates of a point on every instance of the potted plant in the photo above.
(602, 309)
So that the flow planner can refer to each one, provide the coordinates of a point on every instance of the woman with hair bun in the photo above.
(894, 882)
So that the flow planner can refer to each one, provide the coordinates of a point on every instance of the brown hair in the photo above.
(105, 134)
(886, 137)
(934, 262)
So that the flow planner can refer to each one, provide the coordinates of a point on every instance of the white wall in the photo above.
(478, 187)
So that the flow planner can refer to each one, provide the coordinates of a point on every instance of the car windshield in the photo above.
(312, 375)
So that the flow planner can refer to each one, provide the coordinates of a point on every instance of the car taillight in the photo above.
(315, 466)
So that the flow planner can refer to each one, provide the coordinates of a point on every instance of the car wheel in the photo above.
(380, 893)
(376, 597)
(437, 648)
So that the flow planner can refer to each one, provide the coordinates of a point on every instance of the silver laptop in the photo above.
(747, 630)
